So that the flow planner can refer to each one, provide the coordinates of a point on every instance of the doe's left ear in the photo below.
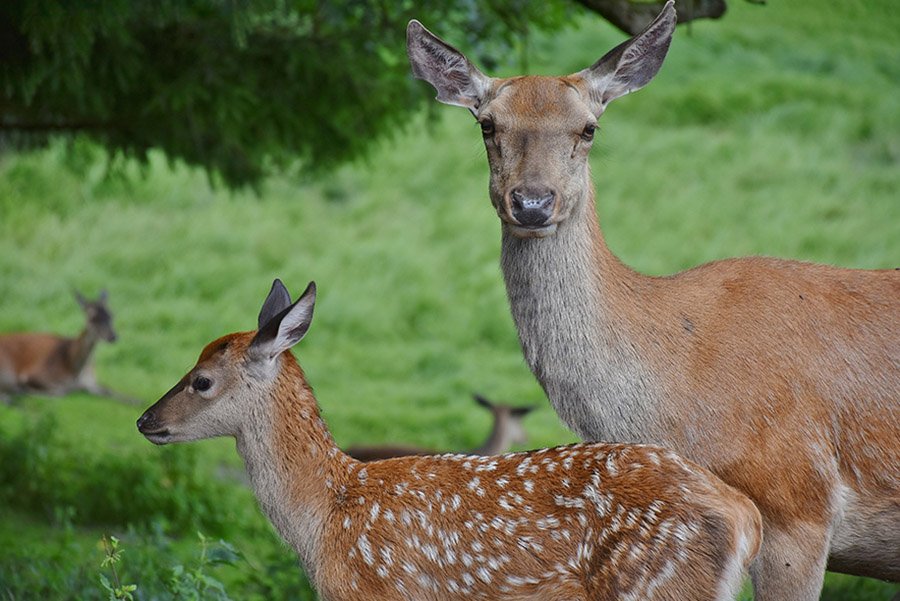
(632, 64)
(287, 328)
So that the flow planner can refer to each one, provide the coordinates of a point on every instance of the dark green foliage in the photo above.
(147, 565)
(238, 88)
(44, 474)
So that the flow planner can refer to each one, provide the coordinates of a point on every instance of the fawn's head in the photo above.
(538, 130)
(99, 317)
(234, 376)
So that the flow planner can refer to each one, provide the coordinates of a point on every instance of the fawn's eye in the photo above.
(487, 127)
(588, 133)
(201, 383)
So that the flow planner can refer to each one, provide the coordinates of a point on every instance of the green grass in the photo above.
(775, 131)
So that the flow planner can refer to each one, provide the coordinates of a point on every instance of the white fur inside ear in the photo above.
(455, 79)
(293, 326)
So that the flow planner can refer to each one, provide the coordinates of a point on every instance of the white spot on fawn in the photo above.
(365, 549)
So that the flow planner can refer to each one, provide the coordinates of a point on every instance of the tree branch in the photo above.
(632, 17)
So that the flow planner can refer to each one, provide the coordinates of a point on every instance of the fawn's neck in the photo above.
(295, 468)
(579, 310)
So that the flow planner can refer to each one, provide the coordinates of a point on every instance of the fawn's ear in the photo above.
(456, 80)
(103, 296)
(632, 64)
(287, 328)
(82, 301)
(277, 301)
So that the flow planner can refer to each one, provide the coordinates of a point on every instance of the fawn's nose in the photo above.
(532, 207)
(147, 422)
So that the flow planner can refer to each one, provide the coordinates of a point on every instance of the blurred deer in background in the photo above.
(585, 521)
(507, 431)
(782, 377)
(37, 363)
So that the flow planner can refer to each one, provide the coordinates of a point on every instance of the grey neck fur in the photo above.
(561, 292)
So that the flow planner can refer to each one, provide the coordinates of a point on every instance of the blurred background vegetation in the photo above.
(775, 130)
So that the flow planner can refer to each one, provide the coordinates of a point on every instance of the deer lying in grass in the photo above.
(506, 431)
(586, 521)
(56, 365)
(782, 377)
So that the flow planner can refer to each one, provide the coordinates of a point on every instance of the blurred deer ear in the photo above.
(482, 401)
(82, 301)
(632, 64)
(103, 296)
(456, 80)
(277, 301)
(523, 411)
(287, 328)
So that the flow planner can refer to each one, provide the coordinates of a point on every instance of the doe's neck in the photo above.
(573, 263)
(581, 314)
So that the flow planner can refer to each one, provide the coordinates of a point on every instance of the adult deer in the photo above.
(56, 365)
(586, 521)
(782, 377)
(506, 431)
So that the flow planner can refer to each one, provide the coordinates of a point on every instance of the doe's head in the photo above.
(538, 130)
(233, 379)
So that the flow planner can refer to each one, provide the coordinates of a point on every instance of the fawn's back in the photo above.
(592, 521)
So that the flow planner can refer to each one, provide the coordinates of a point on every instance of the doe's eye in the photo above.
(588, 133)
(487, 127)
(201, 383)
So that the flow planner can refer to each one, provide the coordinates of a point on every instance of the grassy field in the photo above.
(775, 131)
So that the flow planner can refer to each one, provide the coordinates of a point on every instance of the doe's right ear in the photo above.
(456, 80)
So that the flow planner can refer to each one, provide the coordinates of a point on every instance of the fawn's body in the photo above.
(56, 365)
(584, 522)
(506, 431)
(782, 377)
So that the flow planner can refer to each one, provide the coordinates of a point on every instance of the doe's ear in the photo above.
(456, 80)
(277, 301)
(632, 64)
(287, 328)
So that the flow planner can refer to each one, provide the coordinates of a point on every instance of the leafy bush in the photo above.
(147, 565)
(44, 473)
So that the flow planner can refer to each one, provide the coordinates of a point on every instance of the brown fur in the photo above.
(782, 377)
(32, 362)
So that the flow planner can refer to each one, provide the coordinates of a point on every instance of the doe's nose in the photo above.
(532, 207)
